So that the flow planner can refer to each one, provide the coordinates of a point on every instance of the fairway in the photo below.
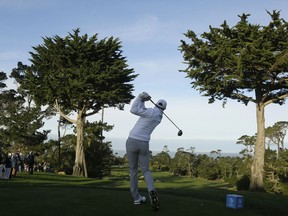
(47, 194)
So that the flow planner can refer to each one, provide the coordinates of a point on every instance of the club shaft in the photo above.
(165, 115)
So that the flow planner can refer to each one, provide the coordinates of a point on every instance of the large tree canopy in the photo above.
(79, 75)
(247, 63)
(79, 72)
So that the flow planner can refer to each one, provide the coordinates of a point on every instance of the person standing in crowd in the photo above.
(21, 159)
(8, 167)
(30, 161)
(137, 146)
(14, 160)
(2, 165)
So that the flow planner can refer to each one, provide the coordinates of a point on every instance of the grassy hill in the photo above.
(48, 194)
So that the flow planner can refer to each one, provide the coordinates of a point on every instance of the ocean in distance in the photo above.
(121, 153)
(200, 146)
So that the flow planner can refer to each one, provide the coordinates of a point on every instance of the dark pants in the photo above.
(30, 169)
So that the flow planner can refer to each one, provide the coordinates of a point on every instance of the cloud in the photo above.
(10, 55)
(141, 30)
(147, 28)
(10, 58)
(160, 63)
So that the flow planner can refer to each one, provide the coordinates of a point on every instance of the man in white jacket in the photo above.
(137, 146)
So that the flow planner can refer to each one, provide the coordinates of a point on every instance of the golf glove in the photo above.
(144, 96)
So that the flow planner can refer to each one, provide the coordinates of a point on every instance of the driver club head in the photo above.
(180, 133)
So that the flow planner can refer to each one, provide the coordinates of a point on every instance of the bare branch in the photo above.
(282, 97)
(57, 107)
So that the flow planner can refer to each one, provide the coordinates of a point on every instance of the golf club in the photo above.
(180, 131)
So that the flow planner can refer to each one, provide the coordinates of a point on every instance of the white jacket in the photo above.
(147, 122)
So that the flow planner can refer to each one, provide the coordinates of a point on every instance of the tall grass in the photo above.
(48, 194)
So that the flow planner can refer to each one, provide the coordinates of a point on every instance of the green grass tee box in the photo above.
(49, 194)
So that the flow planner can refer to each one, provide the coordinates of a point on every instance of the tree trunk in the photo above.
(79, 168)
(59, 143)
(257, 167)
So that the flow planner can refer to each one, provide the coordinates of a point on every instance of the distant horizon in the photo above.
(121, 153)
(199, 145)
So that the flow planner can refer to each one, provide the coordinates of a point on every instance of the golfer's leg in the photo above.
(144, 164)
(132, 155)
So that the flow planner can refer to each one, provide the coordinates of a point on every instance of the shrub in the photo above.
(243, 183)
(231, 180)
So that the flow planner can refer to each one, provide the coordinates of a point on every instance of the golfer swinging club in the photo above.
(137, 146)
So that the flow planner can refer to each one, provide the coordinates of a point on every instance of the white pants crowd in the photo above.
(4, 172)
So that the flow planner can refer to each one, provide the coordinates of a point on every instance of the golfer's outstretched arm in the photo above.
(138, 108)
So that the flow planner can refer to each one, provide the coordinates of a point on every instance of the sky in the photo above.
(150, 32)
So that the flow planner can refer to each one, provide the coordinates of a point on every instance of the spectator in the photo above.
(21, 159)
(14, 160)
(8, 166)
(2, 166)
(30, 161)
